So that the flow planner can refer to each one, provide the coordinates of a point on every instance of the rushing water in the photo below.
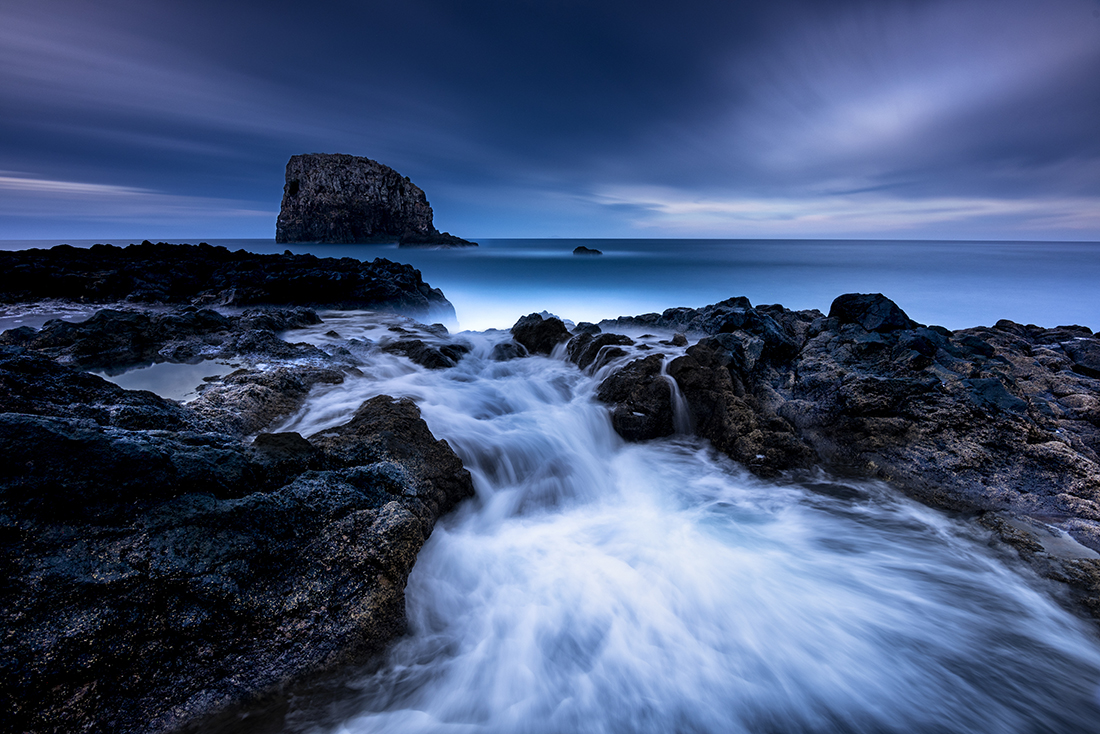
(596, 586)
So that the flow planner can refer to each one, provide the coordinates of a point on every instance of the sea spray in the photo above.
(596, 586)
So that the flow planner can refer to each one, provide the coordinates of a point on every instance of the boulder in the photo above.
(336, 198)
(586, 251)
(539, 334)
(872, 311)
(586, 349)
(642, 400)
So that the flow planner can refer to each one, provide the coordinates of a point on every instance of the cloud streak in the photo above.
(940, 117)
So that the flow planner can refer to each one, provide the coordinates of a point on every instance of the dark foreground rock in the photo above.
(202, 275)
(156, 571)
(586, 251)
(539, 334)
(346, 199)
(1001, 422)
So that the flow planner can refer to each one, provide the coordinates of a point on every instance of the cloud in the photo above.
(672, 212)
(26, 196)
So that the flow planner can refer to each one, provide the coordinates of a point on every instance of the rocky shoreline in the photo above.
(1000, 423)
(205, 276)
(165, 563)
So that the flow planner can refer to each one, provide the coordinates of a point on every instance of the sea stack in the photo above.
(346, 199)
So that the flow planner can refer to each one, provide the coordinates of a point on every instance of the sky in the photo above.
(956, 119)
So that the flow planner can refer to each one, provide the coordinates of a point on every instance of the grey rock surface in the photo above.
(336, 198)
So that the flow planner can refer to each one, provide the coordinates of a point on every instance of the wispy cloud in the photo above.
(28, 196)
(658, 210)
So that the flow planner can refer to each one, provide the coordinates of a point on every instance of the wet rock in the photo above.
(388, 430)
(735, 422)
(504, 351)
(999, 419)
(348, 199)
(539, 334)
(587, 350)
(157, 577)
(34, 385)
(432, 356)
(586, 251)
(249, 400)
(642, 400)
(202, 275)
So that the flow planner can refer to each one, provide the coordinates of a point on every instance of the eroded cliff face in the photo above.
(345, 199)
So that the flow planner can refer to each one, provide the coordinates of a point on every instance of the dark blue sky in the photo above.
(954, 119)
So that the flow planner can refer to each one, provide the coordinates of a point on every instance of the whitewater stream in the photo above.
(600, 586)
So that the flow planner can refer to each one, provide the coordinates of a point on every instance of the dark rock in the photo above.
(388, 430)
(33, 385)
(114, 340)
(586, 327)
(585, 350)
(156, 577)
(504, 351)
(348, 199)
(1085, 354)
(872, 311)
(204, 276)
(249, 400)
(586, 251)
(737, 424)
(434, 357)
(642, 397)
(538, 334)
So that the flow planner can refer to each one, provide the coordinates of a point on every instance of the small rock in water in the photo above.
(582, 250)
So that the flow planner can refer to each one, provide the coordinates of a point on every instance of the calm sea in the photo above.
(954, 284)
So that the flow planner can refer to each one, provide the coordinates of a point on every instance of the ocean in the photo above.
(952, 284)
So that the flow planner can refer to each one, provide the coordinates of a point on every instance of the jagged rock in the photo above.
(586, 327)
(34, 385)
(157, 577)
(202, 275)
(432, 356)
(872, 311)
(248, 400)
(338, 198)
(586, 349)
(735, 421)
(1001, 420)
(642, 397)
(538, 334)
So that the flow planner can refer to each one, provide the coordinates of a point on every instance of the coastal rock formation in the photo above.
(1002, 422)
(158, 569)
(202, 275)
(586, 251)
(539, 334)
(346, 199)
